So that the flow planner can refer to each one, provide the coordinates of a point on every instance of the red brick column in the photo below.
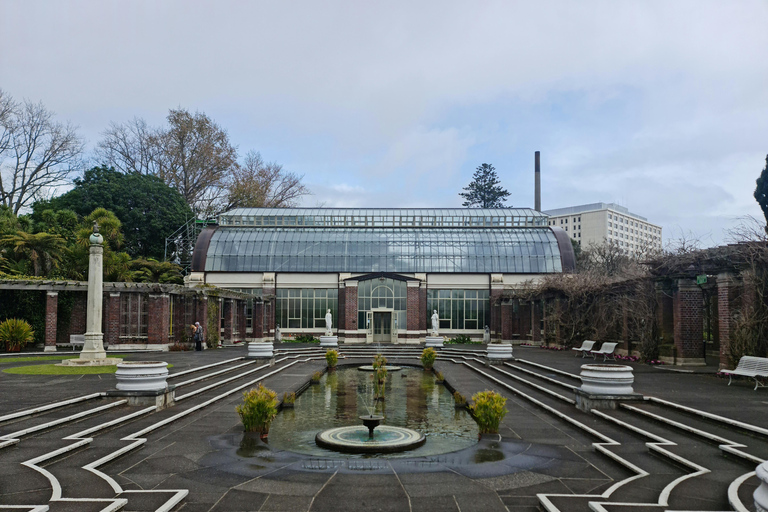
(159, 318)
(242, 308)
(664, 313)
(51, 317)
(507, 322)
(227, 320)
(688, 303)
(728, 298)
(423, 309)
(495, 313)
(414, 311)
(201, 312)
(536, 321)
(524, 319)
(350, 314)
(257, 322)
(112, 321)
(341, 312)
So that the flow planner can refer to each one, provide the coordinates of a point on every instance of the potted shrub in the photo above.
(258, 409)
(15, 334)
(459, 400)
(331, 357)
(289, 400)
(428, 357)
(488, 410)
(379, 376)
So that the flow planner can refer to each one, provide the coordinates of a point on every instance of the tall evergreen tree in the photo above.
(484, 191)
(761, 191)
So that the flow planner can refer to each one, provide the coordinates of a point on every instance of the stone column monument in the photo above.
(93, 352)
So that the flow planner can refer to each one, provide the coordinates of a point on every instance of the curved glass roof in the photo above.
(384, 217)
(301, 249)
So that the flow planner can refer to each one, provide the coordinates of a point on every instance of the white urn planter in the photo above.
(329, 341)
(435, 341)
(607, 379)
(142, 376)
(261, 349)
(499, 351)
(761, 493)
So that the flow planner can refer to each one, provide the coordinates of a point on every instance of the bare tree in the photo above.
(130, 147)
(256, 184)
(42, 153)
(196, 159)
(7, 109)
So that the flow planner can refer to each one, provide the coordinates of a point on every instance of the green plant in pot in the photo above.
(15, 334)
(258, 409)
(289, 399)
(488, 410)
(428, 357)
(379, 376)
(332, 358)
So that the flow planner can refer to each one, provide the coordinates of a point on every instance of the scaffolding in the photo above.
(181, 244)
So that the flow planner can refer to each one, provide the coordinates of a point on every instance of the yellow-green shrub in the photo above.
(488, 410)
(15, 333)
(428, 358)
(331, 357)
(258, 409)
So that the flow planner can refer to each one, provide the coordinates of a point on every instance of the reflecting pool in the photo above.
(413, 400)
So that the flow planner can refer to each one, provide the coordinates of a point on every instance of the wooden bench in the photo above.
(606, 350)
(750, 366)
(585, 348)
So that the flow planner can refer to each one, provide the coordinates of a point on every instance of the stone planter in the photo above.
(142, 376)
(260, 350)
(607, 379)
(499, 352)
(761, 493)
(435, 341)
(329, 341)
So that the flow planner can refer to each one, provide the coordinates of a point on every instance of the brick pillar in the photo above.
(227, 320)
(350, 314)
(535, 321)
(112, 323)
(495, 313)
(159, 312)
(414, 313)
(688, 303)
(423, 309)
(242, 308)
(341, 312)
(507, 321)
(728, 295)
(201, 313)
(257, 322)
(524, 317)
(51, 317)
(664, 313)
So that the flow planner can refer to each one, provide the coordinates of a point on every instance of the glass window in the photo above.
(459, 309)
(382, 293)
(305, 308)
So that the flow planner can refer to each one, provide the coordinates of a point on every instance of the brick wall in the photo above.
(728, 298)
(413, 312)
(159, 313)
(350, 314)
(111, 325)
(227, 318)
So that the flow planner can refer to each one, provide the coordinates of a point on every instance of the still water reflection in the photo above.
(413, 400)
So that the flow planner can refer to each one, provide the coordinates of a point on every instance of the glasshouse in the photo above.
(382, 273)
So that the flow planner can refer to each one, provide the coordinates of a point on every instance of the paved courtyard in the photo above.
(690, 445)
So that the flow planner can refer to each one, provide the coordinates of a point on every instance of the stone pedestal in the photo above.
(435, 341)
(142, 376)
(262, 352)
(761, 493)
(329, 341)
(604, 386)
(497, 353)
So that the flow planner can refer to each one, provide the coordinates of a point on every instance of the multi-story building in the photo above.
(593, 224)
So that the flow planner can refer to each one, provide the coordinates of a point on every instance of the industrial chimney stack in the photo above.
(537, 190)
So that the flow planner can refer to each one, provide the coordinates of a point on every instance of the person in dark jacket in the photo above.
(198, 336)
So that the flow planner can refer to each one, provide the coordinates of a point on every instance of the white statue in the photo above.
(435, 322)
(328, 322)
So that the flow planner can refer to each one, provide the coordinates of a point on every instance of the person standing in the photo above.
(198, 337)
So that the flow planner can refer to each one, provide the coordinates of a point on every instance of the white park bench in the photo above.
(585, 347)
(750, 366)
(606, 350)
(75, 340)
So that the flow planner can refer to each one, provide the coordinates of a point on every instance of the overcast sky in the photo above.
(659, 106)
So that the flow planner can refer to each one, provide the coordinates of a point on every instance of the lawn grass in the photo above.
(52, 369)
(7, 360)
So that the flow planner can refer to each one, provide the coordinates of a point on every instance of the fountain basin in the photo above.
(370, 368)
(355, 439)
(761, 493)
